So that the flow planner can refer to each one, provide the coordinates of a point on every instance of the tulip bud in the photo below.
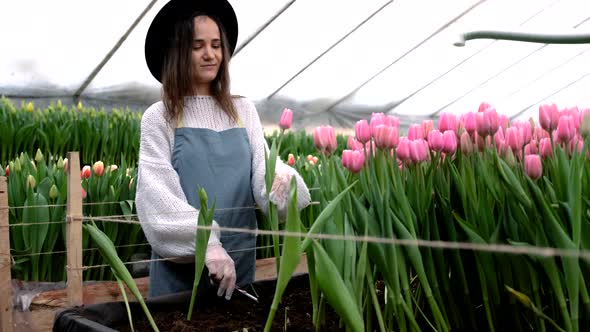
(403, 149)
(291, 159)
(545, 149)
(98, 168)
(362, 131)
(7, 171)
(447, 121)
(531, 148)
(31, 182)
(85, 174)
(66, 165)
(17, 165)
(39, 156)
(466, 144)
(548, 117)
(469, 122)
(346, 157)
(113, 168)
(435, 140)
(83, 193)
(415, 132)
(533, 166)
(378, 119)
(565, 129)
(483, 106)
(79, 106)
(60, 163)
(286, 119)
(30, 107)
(324, 138)
(59, 104)
(381, 136)
(392, 121)
(449, 142)
(509, 157)
(356, 161)
(53, 192)
(34, 166)
(427, 126)
(353, 144)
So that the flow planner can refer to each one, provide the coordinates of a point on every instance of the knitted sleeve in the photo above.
(258, 145)
(168, 221)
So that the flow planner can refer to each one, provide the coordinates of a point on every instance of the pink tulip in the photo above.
(66, 165)
(286, 119)
(403, 149)
(7, 171)
(531, 148)
(98, 168)
(548, 117)
(435, 140)
(393, 138)
(353, 144)
(418, 150)
(487, 122)
(427, 126)
(503, 120)
(85, 174)
(415, 132)
(377, 119)
(578, 142)
(466, 144)
(324, 138)
(291, 159)
(469, 122)
(565, 129)
(381, 136)
(392, 121)
(540, 133)
(526, 132)
(362, 131)
(514, 139)
(356, 161)
(84, 193)
(483, 106)
(533, 166)
(449, 142)
(545, 149)
(346, 156)
(447, 121)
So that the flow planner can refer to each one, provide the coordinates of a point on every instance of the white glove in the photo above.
(279, 193)
(221, 269)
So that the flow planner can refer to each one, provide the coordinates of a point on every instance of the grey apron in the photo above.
(221, 163)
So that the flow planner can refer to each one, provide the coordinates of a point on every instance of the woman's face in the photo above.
(207, 53)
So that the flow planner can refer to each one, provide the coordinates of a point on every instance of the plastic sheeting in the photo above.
(331, 61)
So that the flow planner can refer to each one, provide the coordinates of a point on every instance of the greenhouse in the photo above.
(325, 165)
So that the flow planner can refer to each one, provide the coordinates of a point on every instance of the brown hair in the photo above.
(177, 71)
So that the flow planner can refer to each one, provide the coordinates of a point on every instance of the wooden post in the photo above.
(5, 261)
(74, 231)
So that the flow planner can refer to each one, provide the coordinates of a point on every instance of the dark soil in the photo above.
(243, 314)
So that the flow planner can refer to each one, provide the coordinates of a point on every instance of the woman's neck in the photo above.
(202, 90)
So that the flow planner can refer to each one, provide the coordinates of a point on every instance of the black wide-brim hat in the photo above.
(162, 27)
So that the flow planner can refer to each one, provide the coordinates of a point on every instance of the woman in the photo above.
(201, 136)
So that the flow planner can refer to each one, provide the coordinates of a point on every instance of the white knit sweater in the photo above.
(168, 221)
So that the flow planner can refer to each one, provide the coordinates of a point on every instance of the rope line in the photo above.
(4, 207)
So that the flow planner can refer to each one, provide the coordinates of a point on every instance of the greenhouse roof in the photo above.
(331, 61)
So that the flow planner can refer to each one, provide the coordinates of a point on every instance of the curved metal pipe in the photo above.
(523, 37)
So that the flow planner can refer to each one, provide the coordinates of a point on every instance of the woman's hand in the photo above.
(279, 193)
(221, 269)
